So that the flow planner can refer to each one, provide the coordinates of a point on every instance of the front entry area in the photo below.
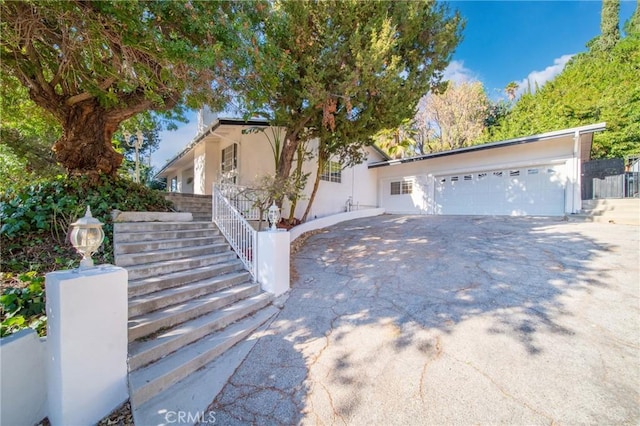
(525, 191)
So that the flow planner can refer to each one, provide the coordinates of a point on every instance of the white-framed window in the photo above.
(229, 164)
(332, 172)
(173, 185)
(402, 187)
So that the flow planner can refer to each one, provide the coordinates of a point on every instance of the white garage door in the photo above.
(537, 191)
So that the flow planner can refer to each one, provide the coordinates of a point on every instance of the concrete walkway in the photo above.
(409, 320)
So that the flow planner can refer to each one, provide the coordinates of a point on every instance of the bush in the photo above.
(24, 307)
(38, 216)
(34, 236)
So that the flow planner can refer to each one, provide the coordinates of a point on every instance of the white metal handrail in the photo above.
(238, 232)
(241, 198)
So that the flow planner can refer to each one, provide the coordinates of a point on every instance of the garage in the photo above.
(538, 175)
(524, 191)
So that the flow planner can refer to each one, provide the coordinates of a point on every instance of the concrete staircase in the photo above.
(198, 205)
(624, 211)
(189, 301)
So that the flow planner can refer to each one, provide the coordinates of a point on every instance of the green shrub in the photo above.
(39, 215)
(24, 307)
(35, 222)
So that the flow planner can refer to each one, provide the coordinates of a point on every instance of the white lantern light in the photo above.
(274, 216)
(86, 237)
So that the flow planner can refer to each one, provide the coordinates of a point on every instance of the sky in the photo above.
(503, 41)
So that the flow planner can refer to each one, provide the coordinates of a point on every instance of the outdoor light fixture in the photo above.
(274, 216)
(86, 237)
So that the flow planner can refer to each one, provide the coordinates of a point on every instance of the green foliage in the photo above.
(348, 68)
(26, 135)
(24, 306)
(36, 218)
(595, 86)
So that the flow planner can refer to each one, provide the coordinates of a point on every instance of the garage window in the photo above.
(401, 188)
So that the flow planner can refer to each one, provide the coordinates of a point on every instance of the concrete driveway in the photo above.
(414, 320)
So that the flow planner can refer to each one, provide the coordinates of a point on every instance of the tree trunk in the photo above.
(289, 149)
(86, 145)
(316, 185)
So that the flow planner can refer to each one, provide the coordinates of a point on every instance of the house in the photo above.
(535, 175)
(226, 150)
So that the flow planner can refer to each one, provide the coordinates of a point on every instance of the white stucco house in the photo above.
(535, 175)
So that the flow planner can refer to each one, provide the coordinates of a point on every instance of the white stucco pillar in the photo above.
(273, 261)
(573, 203)
(87, 344)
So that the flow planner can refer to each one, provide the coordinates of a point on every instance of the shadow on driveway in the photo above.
(443, 320)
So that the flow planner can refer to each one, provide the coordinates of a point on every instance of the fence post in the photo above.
(87, 344)
(273, 261)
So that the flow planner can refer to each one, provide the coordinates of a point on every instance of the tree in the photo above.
(349, 68)
(92, 65)
(594, 86)
(609, 23)
(400, 142)
(511, 90)
(454, 118)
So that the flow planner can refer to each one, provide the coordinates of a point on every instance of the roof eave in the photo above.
(209, 130)
(591, 128)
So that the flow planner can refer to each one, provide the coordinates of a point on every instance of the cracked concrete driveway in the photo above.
(451, 320)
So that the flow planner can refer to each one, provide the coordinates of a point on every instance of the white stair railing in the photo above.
(242, 198)
(238, 232)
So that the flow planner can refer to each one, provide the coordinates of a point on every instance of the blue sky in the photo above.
(503, 41)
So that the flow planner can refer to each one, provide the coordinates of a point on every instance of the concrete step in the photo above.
(153, 301)
(178, 278)
(146, 324)
(143, 352)
(169, 254)
(194, 393)
(146, 382)
(611, 210)
(144, 236)
(163, 244)
(161, 226)
(147, 270)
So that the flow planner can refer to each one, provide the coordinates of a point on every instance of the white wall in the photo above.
(23, 388)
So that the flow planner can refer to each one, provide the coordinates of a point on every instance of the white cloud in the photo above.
(458, 73)
(174, 141)
(539, 78)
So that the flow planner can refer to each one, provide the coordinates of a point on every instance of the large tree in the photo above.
(349, 68)
(94, 64)
(452, 119)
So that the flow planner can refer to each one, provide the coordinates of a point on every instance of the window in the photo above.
(532, 171)
(468, 177)
(514, 173)
(401, 188)
(332, 172)
(229, 165)
(173, 186)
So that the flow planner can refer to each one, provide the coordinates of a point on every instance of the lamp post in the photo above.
(137, 143)
(86, 237)
(274, 216)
